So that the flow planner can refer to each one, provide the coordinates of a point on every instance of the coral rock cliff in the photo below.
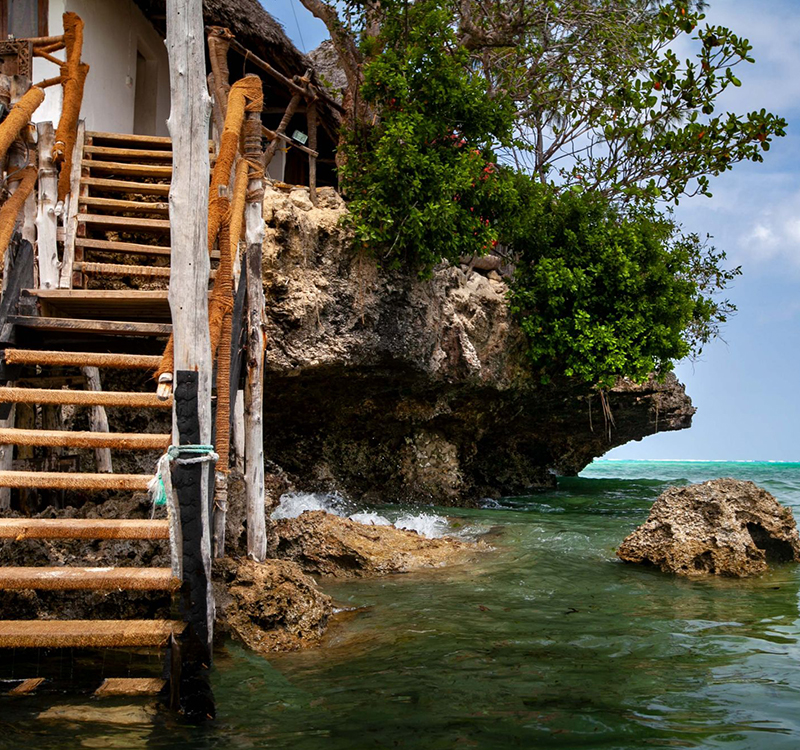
(389, 387)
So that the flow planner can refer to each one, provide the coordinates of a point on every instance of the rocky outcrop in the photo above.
(723, 527)
(270, 606)
(389, 387)
(327, 545)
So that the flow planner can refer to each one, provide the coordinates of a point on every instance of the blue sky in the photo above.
(746, 387)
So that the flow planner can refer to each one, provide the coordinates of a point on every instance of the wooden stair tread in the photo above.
(47, 480)
(75, 439)
(119, 269)
(99, 579)
(130, 686)
(87, 633)
(82, 359)
(115, 246)
(101, 135)
(126, 186)
(125, 222)
(119, 152)
(82, 528)
(83, 398)
(27, 686)
(123, 168)
(115, 204)
(81, 325)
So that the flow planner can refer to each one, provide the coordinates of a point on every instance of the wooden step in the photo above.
(116, 269)
(44, 480)
(78, 325)
(126, 223)
(26, 687)
(126, 186)
(96, 579)
(114, 204)
(66, 439)
(124, 168)
(82, 359)
(116, 153)
(99, 135)
(82, 398)
(130, 686)
(87, 633)
(82, 528)
(113, 246)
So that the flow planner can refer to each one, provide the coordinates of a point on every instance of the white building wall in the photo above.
(114, 31)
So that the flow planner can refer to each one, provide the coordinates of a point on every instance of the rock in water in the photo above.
(324, 544)
(271, 606)
(724, 527)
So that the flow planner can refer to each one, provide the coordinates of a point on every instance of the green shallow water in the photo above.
(548, 641)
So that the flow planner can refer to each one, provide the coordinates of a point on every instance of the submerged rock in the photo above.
(324, 544)
(270, 606)
(724, 527)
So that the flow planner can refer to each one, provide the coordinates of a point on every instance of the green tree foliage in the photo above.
(603, 294)
(557, 128)
(421, 178)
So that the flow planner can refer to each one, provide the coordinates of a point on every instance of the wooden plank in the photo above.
(123, 168)
(87, 633)
(78, 439)
(112, 246)
(82, 528)
(45, 480)
(130, 686)
(46, 220)
(126, 186)
(26, 687)
(19, 274)
(98, 579)
(130, 223)
(83, 398)
(99, 135)
(82, 325)
(122, 154)
(66, 359)
(114, 204)
(114, 269)
(71, 221)
(98, 295)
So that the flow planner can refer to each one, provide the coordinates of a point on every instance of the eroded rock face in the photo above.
(270, 606)
(327, 545)
(387, 387)
(724, 527)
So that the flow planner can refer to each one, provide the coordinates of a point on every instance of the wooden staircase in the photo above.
(113, 318)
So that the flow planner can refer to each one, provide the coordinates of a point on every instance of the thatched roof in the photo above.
(253, 28)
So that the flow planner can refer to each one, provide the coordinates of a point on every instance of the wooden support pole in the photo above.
(311, 116)
(71, 205)
(256, 316)
(188, 297)
(98, 420)
(46, 220)
(281, 129)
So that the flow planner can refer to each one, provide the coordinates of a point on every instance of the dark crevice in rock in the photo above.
(775, 550)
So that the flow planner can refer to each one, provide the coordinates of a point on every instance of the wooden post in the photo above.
(46, 221)
(188, 298)
(281, 129)
(98, 420)
(71, 218)
(254, 389)
(311, 116)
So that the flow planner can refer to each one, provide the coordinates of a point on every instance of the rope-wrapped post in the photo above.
(11, 208)
(73, 78)
(18, 118)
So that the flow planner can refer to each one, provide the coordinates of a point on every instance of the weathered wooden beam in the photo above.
(281, 129)
(71, 218)
(311, 117)
(188, 297)
(98, 420)
(46, 219)
(271, 134)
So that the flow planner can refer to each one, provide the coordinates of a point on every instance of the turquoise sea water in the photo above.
(546, 642)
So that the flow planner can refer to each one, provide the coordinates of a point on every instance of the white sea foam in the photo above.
(293, 504)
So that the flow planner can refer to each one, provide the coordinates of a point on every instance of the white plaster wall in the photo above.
(114, 30)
